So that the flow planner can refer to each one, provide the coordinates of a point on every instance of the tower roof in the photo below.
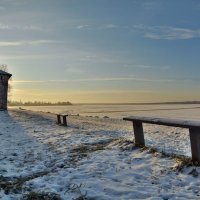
(5, 73)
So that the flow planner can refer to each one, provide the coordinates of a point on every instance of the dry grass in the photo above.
(15, 185)
(84, 150)
(40, 196)
(181, 162)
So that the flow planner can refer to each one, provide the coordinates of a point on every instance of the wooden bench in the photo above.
(64, 116)
(193, 126)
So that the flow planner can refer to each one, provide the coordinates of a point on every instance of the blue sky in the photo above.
(102, 50)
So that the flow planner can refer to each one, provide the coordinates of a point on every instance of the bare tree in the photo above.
(4, 67)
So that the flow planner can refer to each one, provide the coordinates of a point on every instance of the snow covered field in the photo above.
(94, 158)
(188, 111)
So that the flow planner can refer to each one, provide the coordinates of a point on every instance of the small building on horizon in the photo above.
(4, 78)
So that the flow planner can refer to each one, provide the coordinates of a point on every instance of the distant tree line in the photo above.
(38, 103)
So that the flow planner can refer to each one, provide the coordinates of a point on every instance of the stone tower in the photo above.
(4, 77)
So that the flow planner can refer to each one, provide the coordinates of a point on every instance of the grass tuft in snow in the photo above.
(41, 196)
(181, 162)
(81, 151)
(15, 185)
(76, 188)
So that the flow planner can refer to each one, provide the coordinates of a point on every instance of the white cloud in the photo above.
(147, 66)
(97, 27)
(167, 32)
(97, 80)
(27, 81)
(109, 26)
(5, 27)
(33, 28)
(23, 42)
(22, 27)
(82, 26)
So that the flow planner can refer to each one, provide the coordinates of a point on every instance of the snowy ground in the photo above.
(186, 111)
(93, 158)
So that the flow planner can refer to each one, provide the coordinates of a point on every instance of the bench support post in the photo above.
(138, 132)
(59, 119)
(65, 120)
(195, 143)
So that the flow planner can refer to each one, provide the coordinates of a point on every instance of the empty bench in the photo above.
(64, 119)
(193, 126)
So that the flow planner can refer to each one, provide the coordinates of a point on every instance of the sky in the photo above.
(101, 51)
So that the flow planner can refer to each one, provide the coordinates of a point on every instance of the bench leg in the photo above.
(65, 120)
(195, 143)
(59, 119)
(138, 132)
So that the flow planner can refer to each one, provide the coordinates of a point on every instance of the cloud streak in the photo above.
(97, 80)
(29, 27)
(166, 32)
(151, 32)
(25, 42)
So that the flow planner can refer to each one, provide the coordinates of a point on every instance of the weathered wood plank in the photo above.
(165, 121)
(59, 119)
(138, 132)
(65, 120)
(195, 143)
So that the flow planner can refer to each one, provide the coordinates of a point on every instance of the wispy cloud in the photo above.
(97, 27)
(24, 42)
(33, 28)
(85, 26)
(97, 80)
(151, 32)
(108, 26)
(167, 32)
(29, 27)
(5, 27)
(165, 67)
(28, 81)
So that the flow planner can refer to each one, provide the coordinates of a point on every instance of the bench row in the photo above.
(193, 126)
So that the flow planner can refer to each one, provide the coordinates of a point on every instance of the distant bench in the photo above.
(64, 117)
(193, 126)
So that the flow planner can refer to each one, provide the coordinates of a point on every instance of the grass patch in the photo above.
(40, 196)
(15, 185)
(181, 161)
(83, 150)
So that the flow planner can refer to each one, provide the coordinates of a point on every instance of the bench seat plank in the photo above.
(165, 121)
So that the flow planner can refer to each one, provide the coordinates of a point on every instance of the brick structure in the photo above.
(4, 77)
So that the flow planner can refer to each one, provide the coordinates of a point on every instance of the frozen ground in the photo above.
(94, 158)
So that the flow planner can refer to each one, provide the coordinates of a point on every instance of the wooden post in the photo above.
(138, 132)
(195, 143)
(59, 119)
(65, 120)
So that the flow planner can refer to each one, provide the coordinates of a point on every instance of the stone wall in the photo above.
(3, 92)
